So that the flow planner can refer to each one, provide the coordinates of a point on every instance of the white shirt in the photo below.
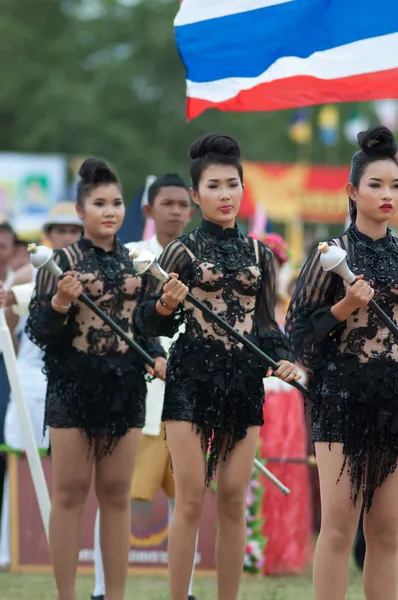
(33, 381)
(155, 394)
(7, 283)
(23, 294)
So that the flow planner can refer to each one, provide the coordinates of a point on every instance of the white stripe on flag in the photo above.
(194, 11)
(366, 56)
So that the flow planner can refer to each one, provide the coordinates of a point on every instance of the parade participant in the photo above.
(352, 358)
(214, 390)
(170, 207)
(95, 404)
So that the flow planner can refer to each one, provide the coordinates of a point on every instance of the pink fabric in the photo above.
(149, 229)
(258, 222)
(287, 519)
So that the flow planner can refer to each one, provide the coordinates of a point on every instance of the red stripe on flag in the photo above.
(304, 91)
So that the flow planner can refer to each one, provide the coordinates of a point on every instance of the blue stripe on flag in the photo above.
(248, 43)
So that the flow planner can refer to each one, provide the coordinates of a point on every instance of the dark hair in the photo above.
(92, 174)
(377, 143)
(213, 149)
(168, 180)
(5, 227)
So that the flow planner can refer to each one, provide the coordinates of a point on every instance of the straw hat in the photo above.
(62, 213)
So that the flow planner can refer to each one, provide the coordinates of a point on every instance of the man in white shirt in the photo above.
(170, 207)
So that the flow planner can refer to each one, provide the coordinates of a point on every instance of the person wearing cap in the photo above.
(62, 228)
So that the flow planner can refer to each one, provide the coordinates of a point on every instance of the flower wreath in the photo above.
(255, 544)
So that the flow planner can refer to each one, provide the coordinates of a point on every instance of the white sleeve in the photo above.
(23, 294)
(133, 246)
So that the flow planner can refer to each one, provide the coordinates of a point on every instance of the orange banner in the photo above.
(296, 191)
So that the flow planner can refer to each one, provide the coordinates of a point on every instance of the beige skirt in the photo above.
(152, 470)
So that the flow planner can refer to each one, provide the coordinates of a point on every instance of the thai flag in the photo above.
(255, 55)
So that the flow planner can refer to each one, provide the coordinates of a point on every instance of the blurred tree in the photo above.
(103, 77)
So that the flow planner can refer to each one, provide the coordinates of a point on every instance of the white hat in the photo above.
(62, 213)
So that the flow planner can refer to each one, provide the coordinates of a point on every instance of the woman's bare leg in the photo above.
(171, 503)
(188, 460)
(380, 573)
(233, 478)
(338, 527)
(113, 477)
(72, 468)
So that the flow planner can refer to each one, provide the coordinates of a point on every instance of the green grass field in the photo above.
(41, 587)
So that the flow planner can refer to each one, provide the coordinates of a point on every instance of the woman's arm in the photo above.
(313, 316)
(46, 324)
(152, 318)
(270, 336)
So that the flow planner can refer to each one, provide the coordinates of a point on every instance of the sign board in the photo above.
(29, 185)
(149, 528)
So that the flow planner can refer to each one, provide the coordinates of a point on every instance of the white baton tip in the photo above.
(323, 247)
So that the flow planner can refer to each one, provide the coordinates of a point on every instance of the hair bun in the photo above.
(378, 141)
(95, 171)
(215, 144)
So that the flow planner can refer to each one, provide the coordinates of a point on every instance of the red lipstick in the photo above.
(225, 209)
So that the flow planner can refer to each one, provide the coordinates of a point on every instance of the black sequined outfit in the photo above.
(353, 386)
(212, 381)
(95, 381)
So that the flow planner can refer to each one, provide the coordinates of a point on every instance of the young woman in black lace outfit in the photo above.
(353, 387)
(95, 404)
(214, 390)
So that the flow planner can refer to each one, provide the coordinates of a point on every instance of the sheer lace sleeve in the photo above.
(45, 326)
(174, 259)
(309, 322)
(151, 345)
(271, 339)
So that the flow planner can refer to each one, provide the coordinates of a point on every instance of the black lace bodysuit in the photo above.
(95, 381)
(212, 381)
(353, 386)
